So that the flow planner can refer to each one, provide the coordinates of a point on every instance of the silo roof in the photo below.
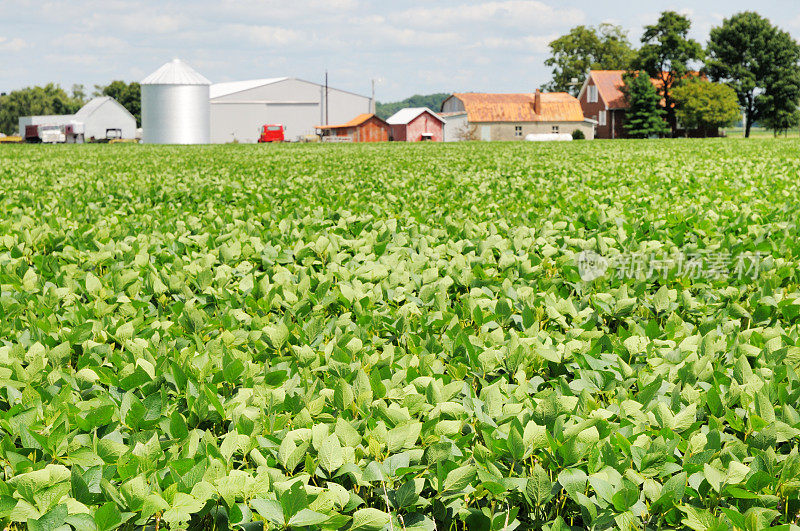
(176, 72)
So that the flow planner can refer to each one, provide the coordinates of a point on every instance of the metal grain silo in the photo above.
(175, 106)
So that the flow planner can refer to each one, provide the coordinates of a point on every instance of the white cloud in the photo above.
(137, 22)
(509, 13)
(84, 41)
(12, 45)
(270, 36)
(272, 10)
(794, 22)
(535, 44)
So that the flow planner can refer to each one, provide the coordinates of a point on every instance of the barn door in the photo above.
(486, 133)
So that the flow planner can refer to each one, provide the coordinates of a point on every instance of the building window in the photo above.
(517, 130)
(602, 118)
(592, 96)
(554, 129)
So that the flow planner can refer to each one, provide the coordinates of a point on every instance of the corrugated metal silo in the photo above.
(175, 106)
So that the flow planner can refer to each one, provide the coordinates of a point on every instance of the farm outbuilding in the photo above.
(95, 118)
(416, 124)
(239, 109)
(514, 116)
(175, 108)
(456, 126)
(105, 113)
(362, 128)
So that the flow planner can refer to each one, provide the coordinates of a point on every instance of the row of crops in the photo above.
(472, 336)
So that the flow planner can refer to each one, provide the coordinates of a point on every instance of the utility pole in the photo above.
(326, 98)
(372, 101)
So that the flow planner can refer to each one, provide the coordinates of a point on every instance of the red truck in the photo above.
(271, 133)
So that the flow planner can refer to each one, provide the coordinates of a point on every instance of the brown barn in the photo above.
(362, 128)
(602, 98)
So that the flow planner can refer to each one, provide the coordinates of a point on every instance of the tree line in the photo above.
(747, 65)
(52, 99)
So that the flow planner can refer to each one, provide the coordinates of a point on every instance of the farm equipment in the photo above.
(112, 135)
(272, 133)
(71, 133)
(10, 139)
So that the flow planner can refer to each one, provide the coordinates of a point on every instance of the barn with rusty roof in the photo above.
(363, 128)
(514, 116)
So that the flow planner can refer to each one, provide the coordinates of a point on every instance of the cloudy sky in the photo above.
(409, 46)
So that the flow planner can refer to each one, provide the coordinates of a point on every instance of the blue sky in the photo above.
(409, 46)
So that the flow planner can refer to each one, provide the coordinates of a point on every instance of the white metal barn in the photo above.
(97, 116)
(104, 113)
(239, 109)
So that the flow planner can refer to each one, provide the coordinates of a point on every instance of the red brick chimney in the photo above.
(537, 102)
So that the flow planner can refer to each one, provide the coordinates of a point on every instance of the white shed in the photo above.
(240, 109)
(96, 117)
(456, 126)
(102, 114)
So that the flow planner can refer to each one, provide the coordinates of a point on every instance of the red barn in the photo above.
(362, 128)
(602, 98)
(416, 124)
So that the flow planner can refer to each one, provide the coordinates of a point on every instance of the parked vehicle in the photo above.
(52, 134)
(272, 133)
(4, 139)
(32, 133)
(112, 135)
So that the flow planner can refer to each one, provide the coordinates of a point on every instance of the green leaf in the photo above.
(406, 495)
(307, 517)
(515, 444)
(369, 520)
(271, 510)
(53, 519)
(108, 517)
(716, 478)
(294, 500)
(539, 487)
(93, 285)
(458, 478)
(331, 455)
(625, 498)
(182, 508)
(758, 518)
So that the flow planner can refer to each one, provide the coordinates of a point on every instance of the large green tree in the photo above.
(760, 62)
(701, 104)
(584, 48)
(36, 101)
(129, 95)
(666, 54)
(645, 116)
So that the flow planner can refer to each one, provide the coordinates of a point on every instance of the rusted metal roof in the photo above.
(355, 122)
(551, 107)
(610, 85)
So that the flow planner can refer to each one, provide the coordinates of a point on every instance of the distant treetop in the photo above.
(432, 101)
